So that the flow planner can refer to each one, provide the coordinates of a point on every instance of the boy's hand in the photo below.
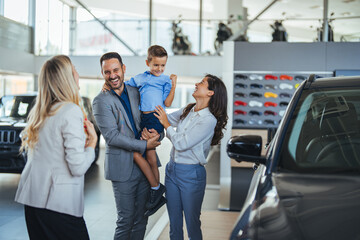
(105, 88)
(173, 78)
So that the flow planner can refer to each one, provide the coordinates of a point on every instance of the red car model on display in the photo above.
(268, 112)
(286, 77)
(240, 103)
(270, 104)
(239, 112)
(270, 77)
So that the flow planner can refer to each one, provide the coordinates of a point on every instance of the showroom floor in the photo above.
(100, 212)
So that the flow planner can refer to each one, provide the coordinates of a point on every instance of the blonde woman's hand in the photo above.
(105, 88)
(92, 137)
(161, 115)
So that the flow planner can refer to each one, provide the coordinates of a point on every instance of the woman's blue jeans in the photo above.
(185, 189)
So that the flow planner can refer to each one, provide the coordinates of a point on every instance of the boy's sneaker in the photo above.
(155, 196)
(153, 210)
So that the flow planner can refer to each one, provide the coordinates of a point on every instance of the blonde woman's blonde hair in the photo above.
(56, 83)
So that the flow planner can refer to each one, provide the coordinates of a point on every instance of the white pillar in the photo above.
(72, 32)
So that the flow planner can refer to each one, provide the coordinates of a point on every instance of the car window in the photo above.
(16, 106)
(324, 131)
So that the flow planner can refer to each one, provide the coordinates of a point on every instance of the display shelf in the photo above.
(260, 98)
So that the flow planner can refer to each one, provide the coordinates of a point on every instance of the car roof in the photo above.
(24, 94)
(353, 81)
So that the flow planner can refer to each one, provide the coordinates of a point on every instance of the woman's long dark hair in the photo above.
(217, 106)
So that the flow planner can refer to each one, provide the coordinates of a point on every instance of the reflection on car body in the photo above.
(14, 110)
(307, 184)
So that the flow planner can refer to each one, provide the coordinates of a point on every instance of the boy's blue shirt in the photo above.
(153, 90)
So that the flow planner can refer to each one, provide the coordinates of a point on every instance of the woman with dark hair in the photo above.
(198, 126)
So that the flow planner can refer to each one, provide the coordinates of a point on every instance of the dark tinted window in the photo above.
(324, 133)
(16, 106)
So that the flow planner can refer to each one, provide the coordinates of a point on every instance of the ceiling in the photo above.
(301, 18)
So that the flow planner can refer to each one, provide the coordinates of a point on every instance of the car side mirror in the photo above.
(245, 148)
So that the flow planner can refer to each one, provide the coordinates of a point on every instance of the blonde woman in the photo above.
(59, 153)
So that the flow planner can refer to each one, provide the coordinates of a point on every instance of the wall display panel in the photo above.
(260, 98)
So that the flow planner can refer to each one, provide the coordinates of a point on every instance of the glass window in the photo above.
(131, 28)
(164, 12)
(17, 10)
(16, 84)
(90, 87)
(324, 132)
(52, 27)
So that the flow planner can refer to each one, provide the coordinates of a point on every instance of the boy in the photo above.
(155, 89)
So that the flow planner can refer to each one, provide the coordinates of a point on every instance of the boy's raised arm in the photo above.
(169, 99)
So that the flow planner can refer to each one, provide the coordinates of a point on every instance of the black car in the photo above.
(307, 184)
(241, 76)
(14, 110)
(255, 85)
(254, 94)
(240, 85)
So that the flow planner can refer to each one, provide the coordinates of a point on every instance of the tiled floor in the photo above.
(100, 211)
(215, 225)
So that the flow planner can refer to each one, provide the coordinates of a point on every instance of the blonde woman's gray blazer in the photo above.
(53, 177)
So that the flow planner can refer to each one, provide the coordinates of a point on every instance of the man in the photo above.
(118, 116)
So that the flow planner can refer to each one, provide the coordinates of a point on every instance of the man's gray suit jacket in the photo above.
(116, 129)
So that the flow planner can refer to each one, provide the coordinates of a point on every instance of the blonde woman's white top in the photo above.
(53, 177)
(192, 138)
